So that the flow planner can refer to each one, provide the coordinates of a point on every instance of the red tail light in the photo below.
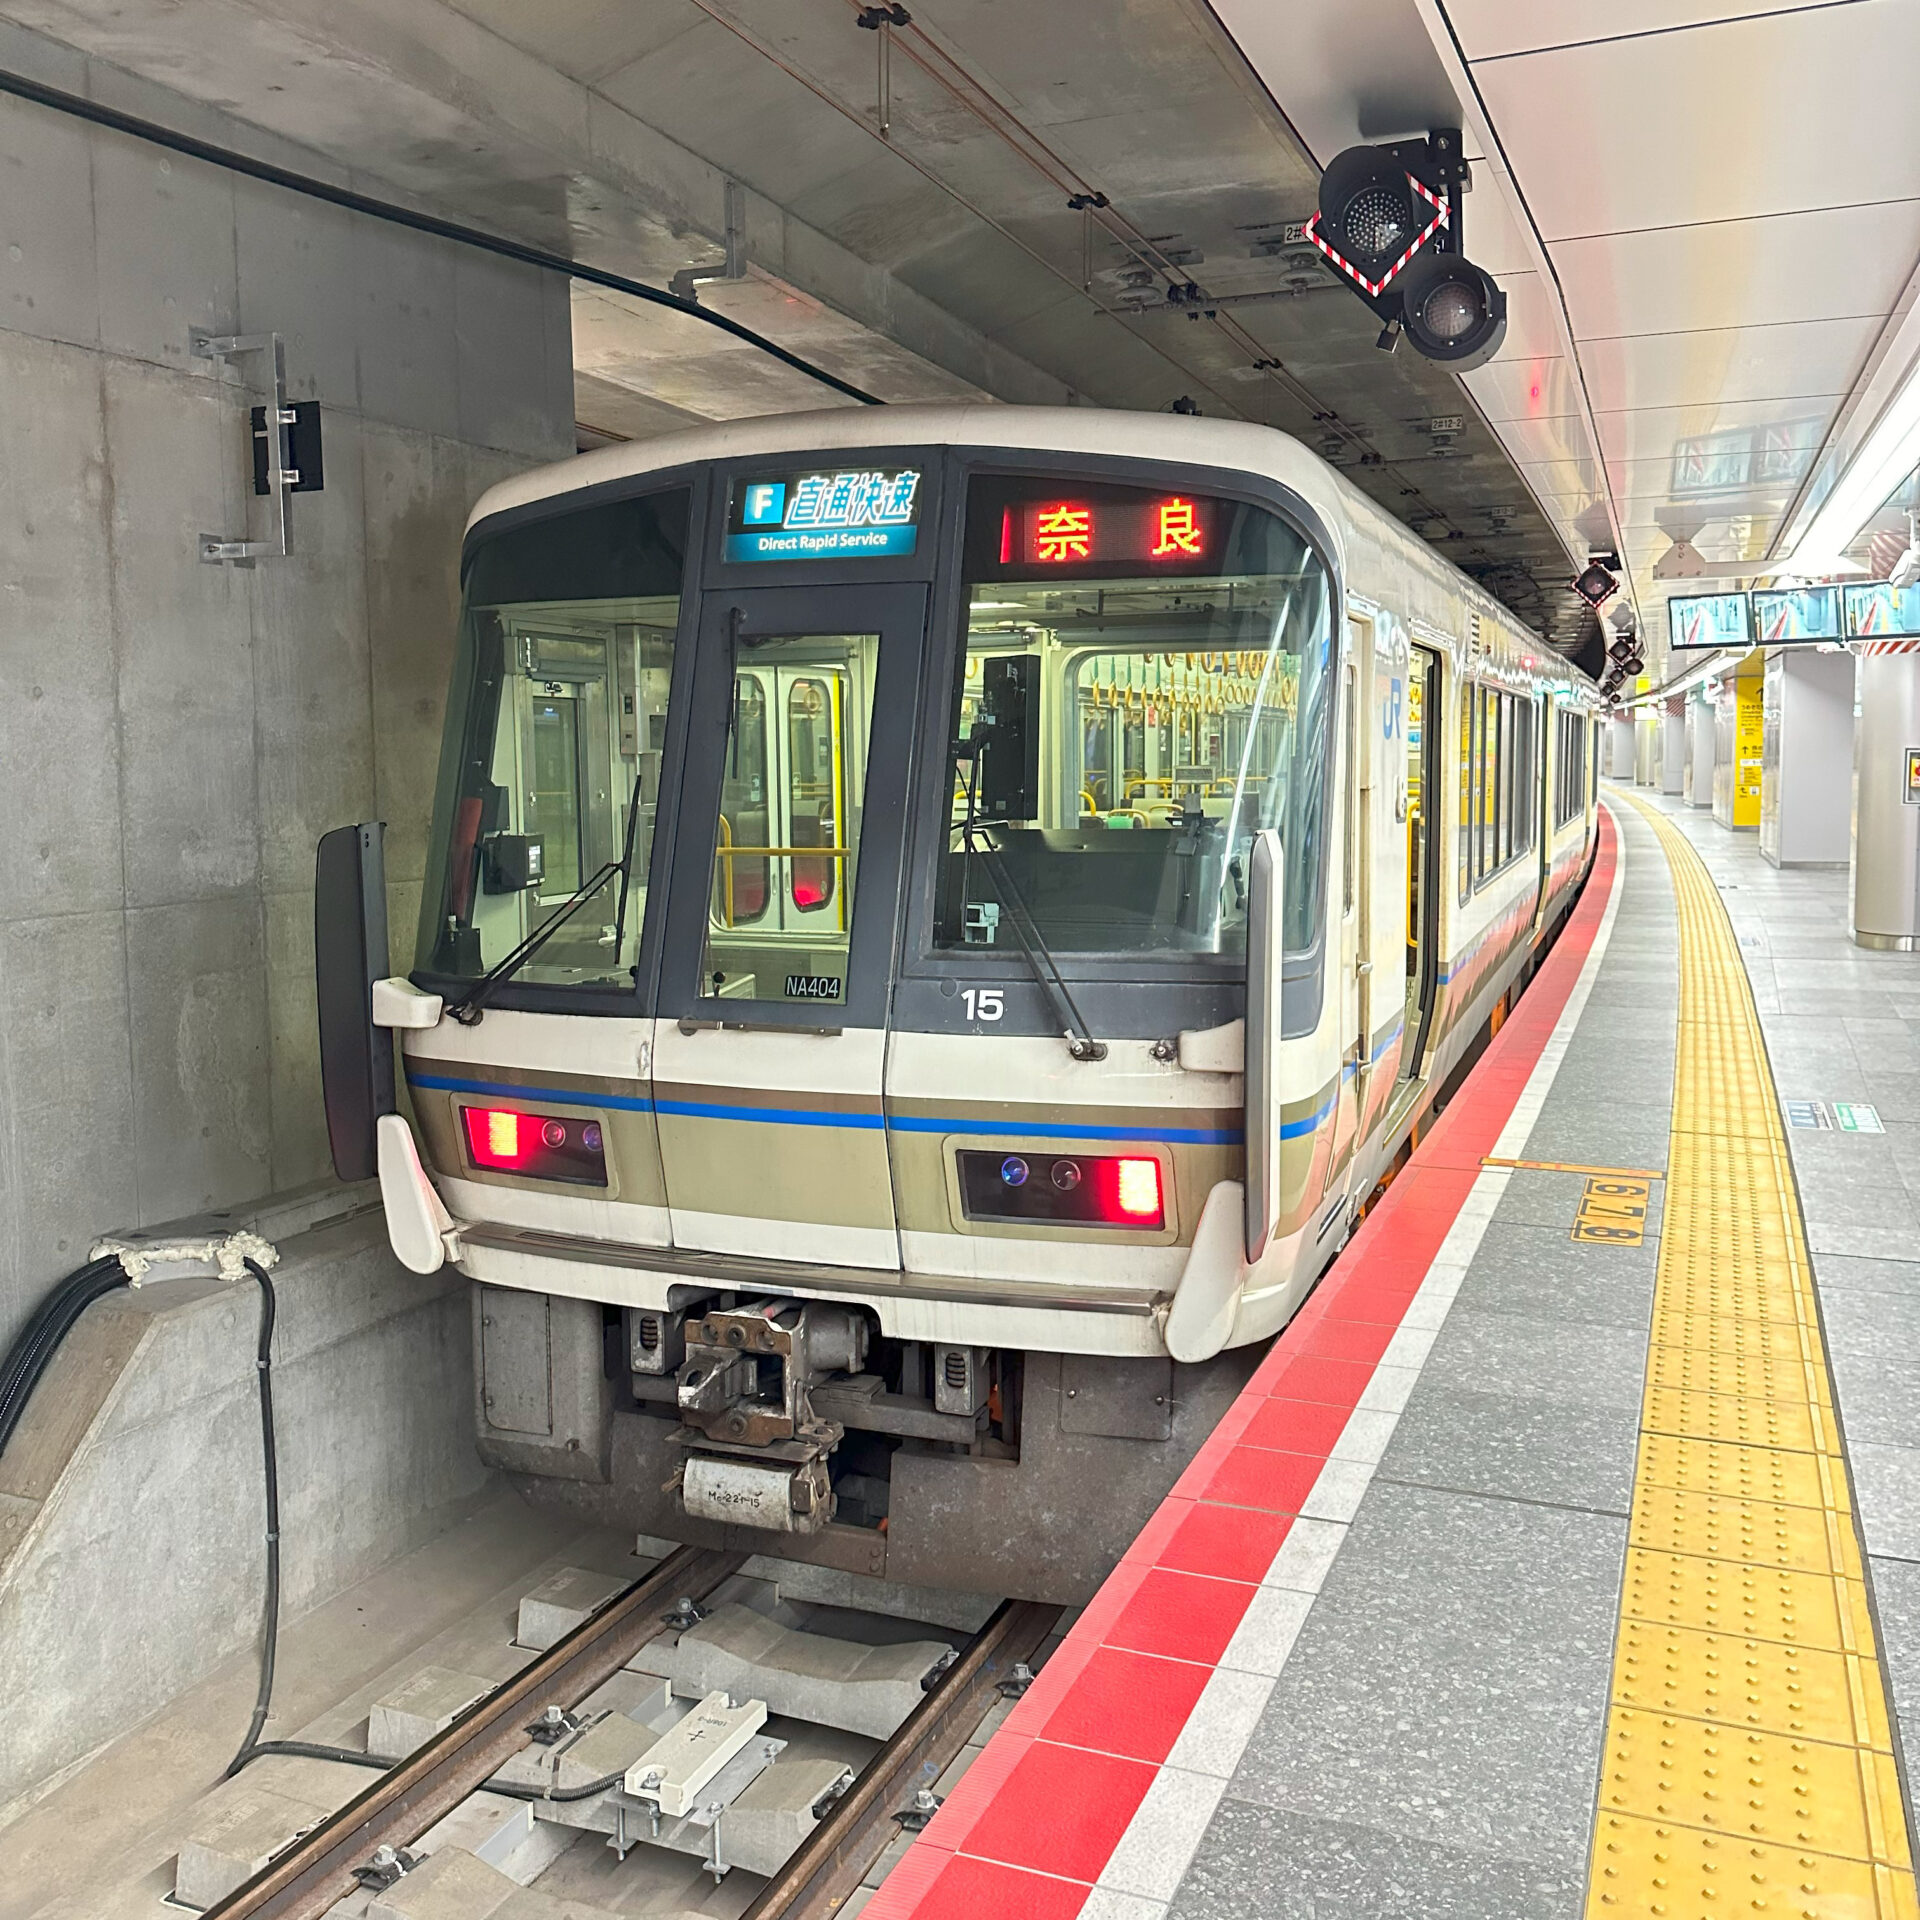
(1136, 1190)
(495, 1136)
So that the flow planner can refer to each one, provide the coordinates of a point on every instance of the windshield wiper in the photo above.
(471, 1004)
(1033, 947)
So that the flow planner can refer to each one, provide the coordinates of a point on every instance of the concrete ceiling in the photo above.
(939, 258)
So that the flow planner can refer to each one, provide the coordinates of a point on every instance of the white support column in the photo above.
(1806, 771)
(1700, 733)
(1673, 746)
(1885, 889)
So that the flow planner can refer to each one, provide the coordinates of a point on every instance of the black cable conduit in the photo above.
(81, 108)
(39, 1340)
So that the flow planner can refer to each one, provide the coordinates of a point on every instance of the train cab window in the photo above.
(550, 772)
(787, 852)
(1145, 685)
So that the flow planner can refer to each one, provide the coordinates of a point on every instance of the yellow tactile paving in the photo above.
(1749, 1765)
(1749, 1783)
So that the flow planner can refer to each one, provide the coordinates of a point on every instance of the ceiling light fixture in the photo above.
(1890, 451)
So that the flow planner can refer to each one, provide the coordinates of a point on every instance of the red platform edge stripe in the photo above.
(1035, 1819)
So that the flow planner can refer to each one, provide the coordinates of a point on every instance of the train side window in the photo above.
(556, 727)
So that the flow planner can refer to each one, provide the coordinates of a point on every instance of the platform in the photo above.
(1563, 1557)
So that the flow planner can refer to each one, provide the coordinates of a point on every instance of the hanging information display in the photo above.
(1709, 620)
(1879, 611)
(1797, 613)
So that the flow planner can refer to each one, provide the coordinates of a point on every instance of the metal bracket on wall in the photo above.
(282, 478)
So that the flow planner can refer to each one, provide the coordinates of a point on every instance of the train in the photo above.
(936, 921)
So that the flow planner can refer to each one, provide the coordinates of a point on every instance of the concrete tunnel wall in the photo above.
(174, 736)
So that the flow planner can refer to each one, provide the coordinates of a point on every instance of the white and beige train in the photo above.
(936, 920)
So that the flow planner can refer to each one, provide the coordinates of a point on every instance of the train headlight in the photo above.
(1013, 1171)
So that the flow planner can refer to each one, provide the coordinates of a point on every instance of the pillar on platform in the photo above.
(1700, 738)
(1806, 758)
(1885, 883)
(1620, 747)
(1673, 745)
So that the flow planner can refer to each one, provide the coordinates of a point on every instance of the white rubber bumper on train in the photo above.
(1207, 1300)
(418, 1224)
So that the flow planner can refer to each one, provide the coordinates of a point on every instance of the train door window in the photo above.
(553, 791)
(815, 769)
(549, 778)
(1350, 763)
(1469, 717)
(779, 932)
(742, 866)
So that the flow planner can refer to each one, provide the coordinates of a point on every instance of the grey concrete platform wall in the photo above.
(131, 1502)
(174, 736)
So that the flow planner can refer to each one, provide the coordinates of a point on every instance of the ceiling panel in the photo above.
(1801, 266)
(1525, 387)
(1573, 122)
(1490, 28)
(1750, 363)
(1650, 433)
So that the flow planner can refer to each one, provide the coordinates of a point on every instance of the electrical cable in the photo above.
(263, 1363)
(233, 161)
(39, 1340)
(356, 1757)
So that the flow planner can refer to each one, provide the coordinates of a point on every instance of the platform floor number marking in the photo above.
(1613, 1211)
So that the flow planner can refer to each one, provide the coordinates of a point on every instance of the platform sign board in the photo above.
(1704, 620)
(1854, 1116)
(859, 514)
(1877, 611)
(1913, 777)
(1782, 616)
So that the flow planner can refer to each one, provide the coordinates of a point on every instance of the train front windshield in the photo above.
(1144, 687)
(555, 726)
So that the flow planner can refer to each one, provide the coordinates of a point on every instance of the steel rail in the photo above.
(306, 1879)
(831, 1862)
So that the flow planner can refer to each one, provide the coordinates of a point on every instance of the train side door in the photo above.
(1545, 762)
(1421, 825)
(1356, 957)
(1383, 865)
(770, 1039)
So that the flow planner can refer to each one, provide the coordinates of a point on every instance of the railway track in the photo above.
(324, 1865)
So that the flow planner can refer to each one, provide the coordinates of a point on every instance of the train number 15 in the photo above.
(983, 1003)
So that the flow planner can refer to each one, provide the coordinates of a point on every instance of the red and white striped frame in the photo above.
(1373, 288)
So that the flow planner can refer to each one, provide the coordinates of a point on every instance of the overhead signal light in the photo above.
(1595, 585)
(1453, 311)
(1389, 223)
